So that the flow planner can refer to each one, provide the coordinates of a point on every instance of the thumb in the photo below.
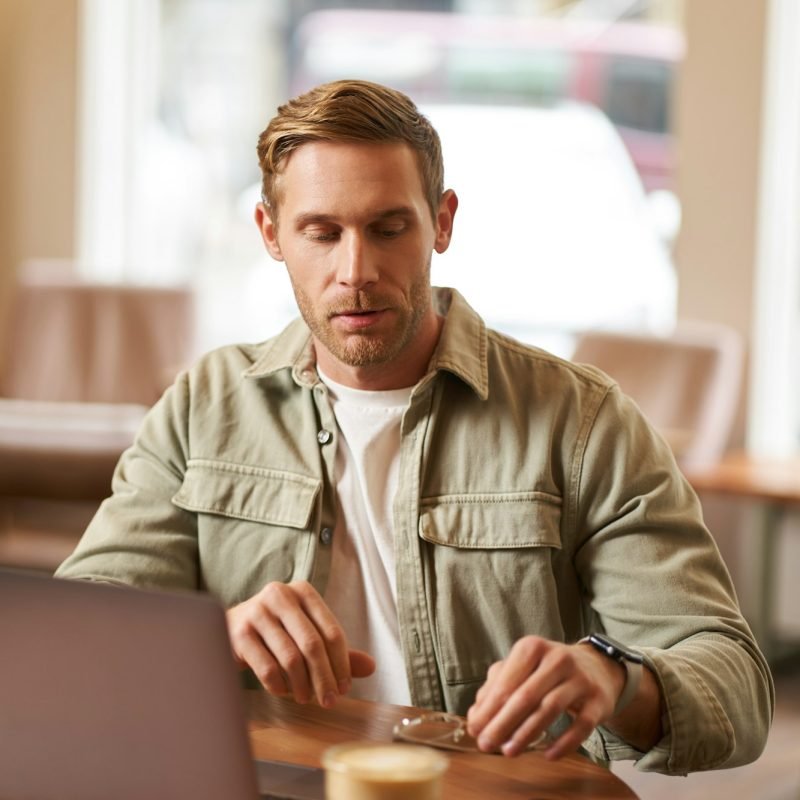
(361, 664)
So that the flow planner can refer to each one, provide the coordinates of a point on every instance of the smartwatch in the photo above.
(630, 659)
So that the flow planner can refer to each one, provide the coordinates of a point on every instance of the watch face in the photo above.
(614, 649)
(611, 650)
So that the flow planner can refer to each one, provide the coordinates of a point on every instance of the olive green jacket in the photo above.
(533, 499)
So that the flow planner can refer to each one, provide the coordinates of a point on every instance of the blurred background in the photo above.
(129, 129)
(628, 166)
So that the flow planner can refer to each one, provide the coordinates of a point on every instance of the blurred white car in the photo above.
(554, 233)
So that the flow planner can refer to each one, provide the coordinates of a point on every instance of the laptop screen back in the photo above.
(113, 692)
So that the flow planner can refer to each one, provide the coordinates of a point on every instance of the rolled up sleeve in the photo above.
(654, 578)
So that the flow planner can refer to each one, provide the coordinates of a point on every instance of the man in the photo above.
(393, 501)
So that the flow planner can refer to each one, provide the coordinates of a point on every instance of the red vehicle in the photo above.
(626, 69)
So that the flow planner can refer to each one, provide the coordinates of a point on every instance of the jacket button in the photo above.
(323, 437)
(326, 535)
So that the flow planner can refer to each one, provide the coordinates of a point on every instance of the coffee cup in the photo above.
(383, 771)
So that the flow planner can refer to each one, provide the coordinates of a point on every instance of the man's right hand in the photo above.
(295, 646)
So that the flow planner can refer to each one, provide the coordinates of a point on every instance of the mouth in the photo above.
(357, 312)
(356, 319)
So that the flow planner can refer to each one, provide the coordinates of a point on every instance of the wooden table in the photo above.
(774, 485)
(774, 481)
(285, 731)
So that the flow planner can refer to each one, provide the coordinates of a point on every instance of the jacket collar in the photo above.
(461, 349)
(462, 344)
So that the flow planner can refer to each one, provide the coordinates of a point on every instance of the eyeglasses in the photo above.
(448, 732)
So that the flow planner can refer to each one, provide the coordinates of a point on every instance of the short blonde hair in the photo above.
(350, 111)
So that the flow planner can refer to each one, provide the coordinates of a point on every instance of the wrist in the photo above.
(624, 664)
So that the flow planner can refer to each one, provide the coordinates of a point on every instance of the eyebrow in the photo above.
(314, 218)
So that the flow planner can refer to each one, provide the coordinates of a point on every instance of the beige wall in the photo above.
(718, 120)
(38, 60)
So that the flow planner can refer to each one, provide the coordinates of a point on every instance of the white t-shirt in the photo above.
(362, 588)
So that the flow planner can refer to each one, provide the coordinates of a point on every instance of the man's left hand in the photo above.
(538, 680)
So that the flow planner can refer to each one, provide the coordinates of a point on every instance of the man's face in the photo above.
(357, 236)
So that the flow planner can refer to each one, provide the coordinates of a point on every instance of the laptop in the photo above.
(108, 691)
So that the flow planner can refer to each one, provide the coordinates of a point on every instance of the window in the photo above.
(774, 421)
(638, 94)
(177, 92)
(510, 76)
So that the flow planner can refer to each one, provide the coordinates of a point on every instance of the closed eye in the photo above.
(321, 234)
(384, 231)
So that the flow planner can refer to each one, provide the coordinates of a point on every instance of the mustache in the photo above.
(358, 302)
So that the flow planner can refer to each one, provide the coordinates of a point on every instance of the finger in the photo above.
(550, 689)
(282, 644)
(553, 704)
(586, 720)
(249, 648)
(336, 657)
(361, 664)
(491, 675)
(303, 655)
(501, 683)
(531, 700)
(253, 653)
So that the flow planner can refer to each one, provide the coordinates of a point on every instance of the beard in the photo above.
(367, 348)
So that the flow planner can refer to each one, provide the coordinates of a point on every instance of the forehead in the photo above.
(325, 177)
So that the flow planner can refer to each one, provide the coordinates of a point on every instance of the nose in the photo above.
(357, 265)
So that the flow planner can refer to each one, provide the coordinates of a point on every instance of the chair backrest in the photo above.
(83, 362)
(687, 384)
(89, 342)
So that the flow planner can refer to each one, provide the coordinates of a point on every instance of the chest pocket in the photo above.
(489, 578)
(253, 525)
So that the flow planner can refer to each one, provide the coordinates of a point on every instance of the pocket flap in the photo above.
(493, 521)
(274, 497)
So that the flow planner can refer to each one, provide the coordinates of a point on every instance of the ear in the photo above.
(444, 221)
(269, 231)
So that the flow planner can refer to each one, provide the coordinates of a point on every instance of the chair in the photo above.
(76, 341)
(84, 362)
(688, 384)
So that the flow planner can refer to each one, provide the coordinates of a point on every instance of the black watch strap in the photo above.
(630, 659)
